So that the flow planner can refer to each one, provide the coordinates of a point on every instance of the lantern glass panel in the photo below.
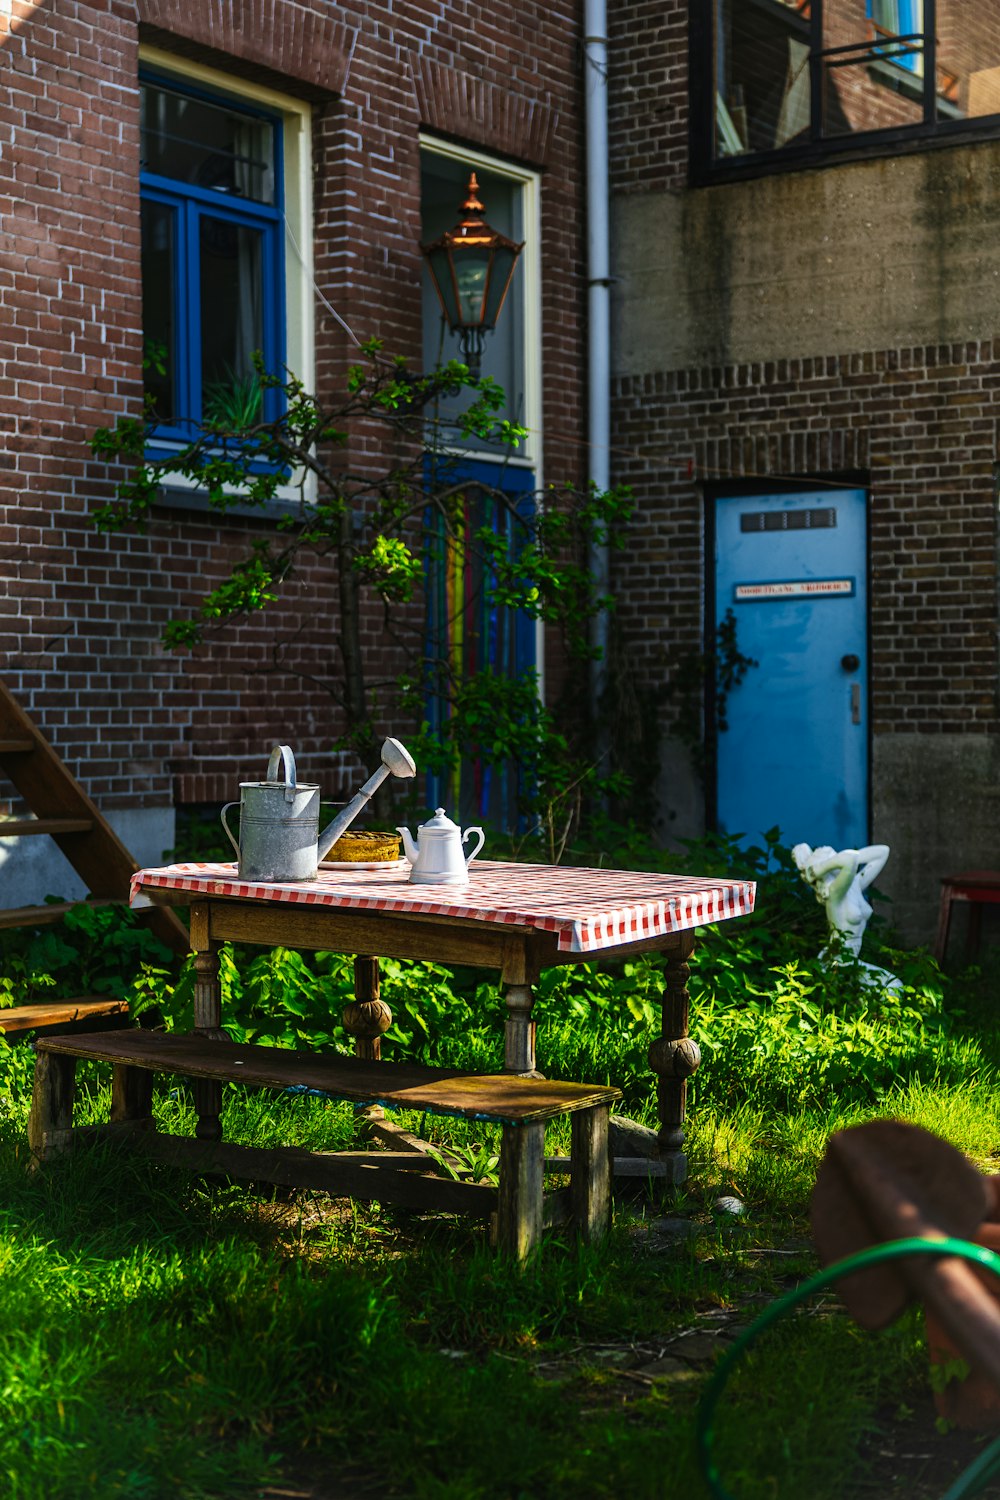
(472, 268)
(503, 264)
(441, 266)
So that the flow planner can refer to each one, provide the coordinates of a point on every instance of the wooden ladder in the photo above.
(62, 810)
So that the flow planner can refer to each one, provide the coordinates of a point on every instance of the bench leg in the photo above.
(519, 1207)
(131, 1094)
(590, 1172)
(50, 1124)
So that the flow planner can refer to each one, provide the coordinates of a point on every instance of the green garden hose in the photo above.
(969, 1483)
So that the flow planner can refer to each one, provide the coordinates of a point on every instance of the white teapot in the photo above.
(438, 857)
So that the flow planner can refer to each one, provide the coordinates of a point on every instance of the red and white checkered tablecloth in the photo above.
(589, 910)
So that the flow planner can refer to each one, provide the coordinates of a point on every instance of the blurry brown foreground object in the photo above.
(887, 1181)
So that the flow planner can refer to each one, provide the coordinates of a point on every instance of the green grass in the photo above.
(162, 1336)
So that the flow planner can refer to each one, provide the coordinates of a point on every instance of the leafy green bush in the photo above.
(100, 950)
(776, 1029)
(803, 1037)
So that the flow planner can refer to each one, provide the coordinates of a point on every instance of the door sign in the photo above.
(801, 588)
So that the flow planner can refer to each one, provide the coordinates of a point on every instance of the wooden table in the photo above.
(513, 918)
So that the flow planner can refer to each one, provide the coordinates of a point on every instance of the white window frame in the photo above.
(527, 283)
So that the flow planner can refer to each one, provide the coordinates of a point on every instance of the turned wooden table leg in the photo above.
(519, 1032)
(519, 1205)
(207, 1021)
(673, 1057)
(368, 1016)
(590, 1172)
(50, 1123)
(517, 978)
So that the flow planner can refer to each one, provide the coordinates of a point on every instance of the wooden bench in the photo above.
(520, 1106)
(96, 1012)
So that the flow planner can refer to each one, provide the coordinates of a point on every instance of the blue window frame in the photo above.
(212, 255)
(899, 24)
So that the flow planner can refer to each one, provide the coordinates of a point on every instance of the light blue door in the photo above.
(794, 752)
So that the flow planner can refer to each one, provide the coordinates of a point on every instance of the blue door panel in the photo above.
(792, 569)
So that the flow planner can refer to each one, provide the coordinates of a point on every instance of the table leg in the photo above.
(368, 1016)
(944, 922)
(673, 1057)
(519, 1032)
(207, 1022)
(518, 973)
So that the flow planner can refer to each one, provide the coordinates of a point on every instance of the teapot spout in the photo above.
(409, 847)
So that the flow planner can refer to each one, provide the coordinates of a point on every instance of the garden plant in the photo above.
(390, 532)
(165, 1336)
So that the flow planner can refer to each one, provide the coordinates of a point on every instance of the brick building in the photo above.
(214, 177)
(806, 199)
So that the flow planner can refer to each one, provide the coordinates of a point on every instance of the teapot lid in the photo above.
(440, 823)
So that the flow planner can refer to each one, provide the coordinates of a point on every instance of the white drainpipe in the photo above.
(599, 309)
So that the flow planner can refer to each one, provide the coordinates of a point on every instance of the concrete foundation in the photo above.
(33, 868)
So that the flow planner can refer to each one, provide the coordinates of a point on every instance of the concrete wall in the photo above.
(868, 255)
(32, 869)
(938, 799)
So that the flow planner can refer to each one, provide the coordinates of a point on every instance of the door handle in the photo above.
(855, 703)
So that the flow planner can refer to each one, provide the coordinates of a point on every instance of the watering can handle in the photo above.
(283, 753)
(229, 831)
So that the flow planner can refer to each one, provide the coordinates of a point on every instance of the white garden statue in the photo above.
(840, 880)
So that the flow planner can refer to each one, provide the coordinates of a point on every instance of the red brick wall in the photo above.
(920, 422)
(648, 105)
(83, 612)
(917, 426)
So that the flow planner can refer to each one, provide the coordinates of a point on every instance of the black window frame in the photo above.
(931, 132)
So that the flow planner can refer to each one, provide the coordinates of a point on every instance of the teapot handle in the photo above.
(482, 841)
(283, 753)
(229, 831)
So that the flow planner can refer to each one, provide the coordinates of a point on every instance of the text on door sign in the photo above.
(803, 588)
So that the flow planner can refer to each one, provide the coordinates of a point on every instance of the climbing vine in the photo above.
(723, 666)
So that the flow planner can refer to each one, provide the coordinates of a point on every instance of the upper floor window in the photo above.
(784, 81)
(213, 290)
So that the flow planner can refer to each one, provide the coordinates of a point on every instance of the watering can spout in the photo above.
(396, 761)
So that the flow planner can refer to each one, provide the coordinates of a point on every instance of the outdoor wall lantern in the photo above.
(472, 267)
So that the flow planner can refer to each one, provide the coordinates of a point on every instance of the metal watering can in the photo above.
(279, 821)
